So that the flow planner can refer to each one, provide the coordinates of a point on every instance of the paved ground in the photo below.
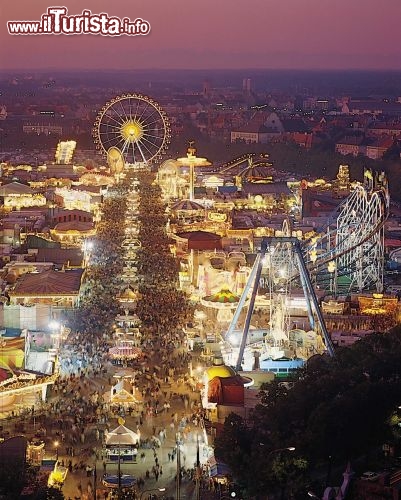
(78, 481)
(79, 485)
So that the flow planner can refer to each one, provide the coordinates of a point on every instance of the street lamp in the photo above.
(56, 443)
(289, 448)
(54, 325)
(178, 482)
(198, 469)
(279, 450)
(160, 490)
(94, 482)
(312, 495)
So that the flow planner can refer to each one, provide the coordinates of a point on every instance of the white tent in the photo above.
(122, 436)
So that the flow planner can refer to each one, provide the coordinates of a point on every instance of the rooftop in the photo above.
(49, 283)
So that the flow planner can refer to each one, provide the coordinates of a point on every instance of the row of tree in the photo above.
(342, 407)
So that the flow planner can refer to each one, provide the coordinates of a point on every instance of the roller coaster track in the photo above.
(352, 241)
(353, 238)
(253, 160)
(356, 244)
(226, 168)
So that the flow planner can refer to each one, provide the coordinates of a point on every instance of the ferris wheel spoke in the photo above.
(150, 138)
(124, 111)
(151, 135)
(147, 149)
(144, 108)
(109, 125)
(133, 152)
(151, 141)
(150, 130)
(125, 146)
(108, 139)
(149, 116)
(139, 111)
(133, 108)
(136, 110)
(154, 111)
(150, 127)
(140, 150)
(158, 121)
(110, 117)
(118, 114)
(143, 111)
(106, 113)
(130, 108)
(153, 126)
(152, 144)
(119, 141)
(109, 135)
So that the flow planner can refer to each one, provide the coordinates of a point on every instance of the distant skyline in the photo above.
(215, 34)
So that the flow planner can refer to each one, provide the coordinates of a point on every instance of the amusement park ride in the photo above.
(134, 125)
(345, 256)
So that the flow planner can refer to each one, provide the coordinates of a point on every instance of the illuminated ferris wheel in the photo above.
(136, 125)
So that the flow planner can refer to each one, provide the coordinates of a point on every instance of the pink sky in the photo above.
(215, 34)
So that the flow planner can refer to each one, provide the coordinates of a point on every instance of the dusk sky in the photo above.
(220, 34)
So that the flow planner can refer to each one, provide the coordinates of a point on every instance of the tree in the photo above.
(341, 407)
(234, 446)
(16, 475)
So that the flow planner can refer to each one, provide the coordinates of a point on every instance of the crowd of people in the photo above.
(102, 282)
(77, 415)
(162, 308)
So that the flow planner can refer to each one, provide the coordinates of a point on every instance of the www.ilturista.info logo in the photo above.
(57, 22)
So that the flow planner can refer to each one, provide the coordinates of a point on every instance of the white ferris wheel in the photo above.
(136, 125)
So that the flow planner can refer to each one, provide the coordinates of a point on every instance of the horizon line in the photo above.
(86, 70)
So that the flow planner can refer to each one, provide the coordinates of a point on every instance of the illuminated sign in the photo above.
(216, 217)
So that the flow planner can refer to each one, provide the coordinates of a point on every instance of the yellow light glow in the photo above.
(313, 255)
(132, 131)
(331, 266)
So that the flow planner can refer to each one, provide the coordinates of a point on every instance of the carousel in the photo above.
(121, 444)
(186, 210)
(97, 178)
(124, 351)
(128, 298)
(223, 303)
(127, 338)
